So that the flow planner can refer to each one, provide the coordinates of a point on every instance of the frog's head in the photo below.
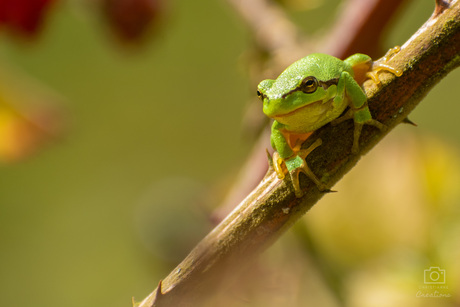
(309, 83)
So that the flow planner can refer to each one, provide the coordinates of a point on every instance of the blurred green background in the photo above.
(105, 212)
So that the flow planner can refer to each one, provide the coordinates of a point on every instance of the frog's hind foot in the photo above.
(377, 67)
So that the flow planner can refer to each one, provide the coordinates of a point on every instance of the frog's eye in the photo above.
(309, 85)
(260, 95)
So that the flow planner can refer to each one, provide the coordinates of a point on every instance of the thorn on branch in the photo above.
(408, 121)
(441, 6)
(158, 295)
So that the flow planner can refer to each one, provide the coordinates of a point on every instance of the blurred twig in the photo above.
(431, 53)
(273, 31)
(360, 26)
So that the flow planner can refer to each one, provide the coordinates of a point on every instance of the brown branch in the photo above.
(431, 53)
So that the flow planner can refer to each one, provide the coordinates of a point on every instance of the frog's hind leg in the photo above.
(361, 65)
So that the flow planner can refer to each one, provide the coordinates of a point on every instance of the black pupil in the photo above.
(310, 83)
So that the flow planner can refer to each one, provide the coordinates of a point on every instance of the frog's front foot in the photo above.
(279, 166)
(361, 117)
(358, 127)
(296, 165)
(303, 168)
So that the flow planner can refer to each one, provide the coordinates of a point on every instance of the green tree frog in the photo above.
(310, 93)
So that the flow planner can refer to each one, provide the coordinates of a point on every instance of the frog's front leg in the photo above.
(285, 159)
(282, 149)
(359, 110)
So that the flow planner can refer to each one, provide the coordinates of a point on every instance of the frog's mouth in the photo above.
(316, 106)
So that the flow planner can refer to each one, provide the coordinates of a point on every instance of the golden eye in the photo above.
(260, 95)
(309, 85)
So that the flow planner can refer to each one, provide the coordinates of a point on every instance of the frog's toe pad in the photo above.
(376, 124)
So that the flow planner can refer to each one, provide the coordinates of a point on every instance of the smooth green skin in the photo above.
(297, 112)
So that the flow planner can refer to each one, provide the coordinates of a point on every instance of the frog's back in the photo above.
(323, 66)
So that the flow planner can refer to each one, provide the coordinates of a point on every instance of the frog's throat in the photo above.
(312, 105)
(311, 116)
